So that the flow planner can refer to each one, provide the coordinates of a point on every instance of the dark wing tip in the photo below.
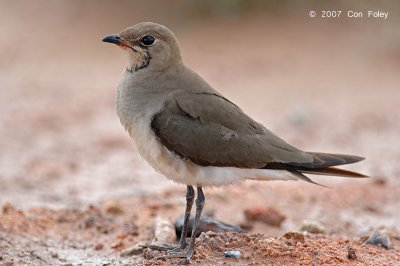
(323, 160)
(356, 158)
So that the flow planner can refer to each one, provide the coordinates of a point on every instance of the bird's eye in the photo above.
(147, 40)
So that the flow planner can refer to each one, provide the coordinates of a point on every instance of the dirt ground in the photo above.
(74, 191)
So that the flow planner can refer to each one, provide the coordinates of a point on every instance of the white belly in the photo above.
(185, 171)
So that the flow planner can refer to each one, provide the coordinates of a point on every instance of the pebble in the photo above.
(312, 227)
(164, 232)
(269, 215)
(134, 250)
(7, 208)
(232, 254)
(379, 238)
(98, 246)
(206, 224)
(117, 244)
(113, 208)
(351, 253)
(295, 236)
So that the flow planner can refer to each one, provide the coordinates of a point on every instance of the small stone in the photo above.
(113, 208)
(295, 236)
(351, 253)
(379, 238)
(117, 244)
(99, 246)
(371, 208)
(35, 255)
(209, 234)
(122, 236)
(246, 226)
(269, 215)
(154, 206)
(134, 250)
(7, 208)
(164, 232)
(312, 227)
(232, 254)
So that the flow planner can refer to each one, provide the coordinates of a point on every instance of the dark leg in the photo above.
(189, 204)
(182, 241)
(188, 253)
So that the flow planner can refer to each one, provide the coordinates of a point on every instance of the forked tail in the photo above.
(322, 165)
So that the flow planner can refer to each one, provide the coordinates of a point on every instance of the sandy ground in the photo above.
(322, 85)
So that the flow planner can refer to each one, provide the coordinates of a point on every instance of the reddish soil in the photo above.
(74, 190)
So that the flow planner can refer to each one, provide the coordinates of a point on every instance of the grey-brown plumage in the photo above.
(189, 126)
(192, 134)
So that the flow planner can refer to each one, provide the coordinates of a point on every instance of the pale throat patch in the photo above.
(137, 59)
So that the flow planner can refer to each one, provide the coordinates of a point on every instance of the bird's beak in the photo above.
(114, 38)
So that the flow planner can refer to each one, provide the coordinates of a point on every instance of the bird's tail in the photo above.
(333, 171)
(323, 165)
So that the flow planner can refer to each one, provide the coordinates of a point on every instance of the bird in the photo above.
(193, 135)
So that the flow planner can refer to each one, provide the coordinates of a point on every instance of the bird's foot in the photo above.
(168, 248)
(186, 254)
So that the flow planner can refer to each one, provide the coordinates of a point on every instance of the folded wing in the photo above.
(209, 130)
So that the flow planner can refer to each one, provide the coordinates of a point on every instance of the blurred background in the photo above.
(322, 84)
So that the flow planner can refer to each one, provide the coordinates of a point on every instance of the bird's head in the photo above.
(148, 45)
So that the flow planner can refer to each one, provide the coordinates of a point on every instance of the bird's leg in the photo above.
(189, 204)
(188, 253)
(182, 242)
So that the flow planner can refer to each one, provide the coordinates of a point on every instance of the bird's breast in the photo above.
(153, 152)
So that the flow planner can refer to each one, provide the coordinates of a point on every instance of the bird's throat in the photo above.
(137, 59)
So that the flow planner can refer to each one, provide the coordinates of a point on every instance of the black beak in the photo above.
(112, 39)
